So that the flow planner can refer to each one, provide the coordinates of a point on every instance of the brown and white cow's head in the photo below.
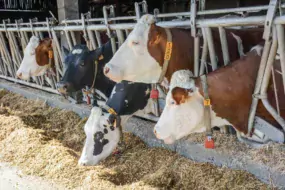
(36, 59)
(183, 113)
(140, 57)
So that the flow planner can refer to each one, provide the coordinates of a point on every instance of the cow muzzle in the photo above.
(113, 72)
(22, 75)
(62, 87)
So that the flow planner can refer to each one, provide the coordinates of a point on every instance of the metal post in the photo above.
(92, 39)
(258, 85)
(224, 45)
(204, 54)
(196, 55)
(98, 38)
(211, 48)
(281, 39)
(113, 42)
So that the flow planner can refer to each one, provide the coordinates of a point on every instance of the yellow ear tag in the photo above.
(101, 57)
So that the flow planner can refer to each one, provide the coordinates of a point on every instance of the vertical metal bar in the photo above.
(55, 40)
(113, 42)
(193, 10)
(224, 45)
(92, 39)
(72, 33)
(127, 32)
(204, 53)
(68, 39)
(211, 48)
(196, 55)
(258, 85)
(120, 36)
(98, 37)
(281, 39)
(275, 91)
(137, 10)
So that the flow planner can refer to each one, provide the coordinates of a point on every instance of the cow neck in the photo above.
(167, 54)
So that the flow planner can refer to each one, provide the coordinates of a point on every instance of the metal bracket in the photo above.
(269, 130)
(269, 18)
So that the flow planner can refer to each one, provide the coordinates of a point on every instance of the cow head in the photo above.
(184, 110)
(35, 60)
(101, 138)
(140, 57)
(80, 67)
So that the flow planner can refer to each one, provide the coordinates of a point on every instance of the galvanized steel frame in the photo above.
(91, 28)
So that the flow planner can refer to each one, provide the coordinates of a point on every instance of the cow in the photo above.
(102, 134)
(80, 70)
(36, 60)
(141, 57)
(230, 90)
(101, 138)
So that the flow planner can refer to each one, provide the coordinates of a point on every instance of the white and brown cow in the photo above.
(230, 90)
(36, 58)
(141, 57)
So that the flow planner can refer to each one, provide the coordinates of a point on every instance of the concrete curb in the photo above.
(144, 130)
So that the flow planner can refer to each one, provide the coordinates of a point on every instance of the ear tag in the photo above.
(101, 57)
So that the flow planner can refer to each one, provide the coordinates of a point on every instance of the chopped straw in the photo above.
(47, 142)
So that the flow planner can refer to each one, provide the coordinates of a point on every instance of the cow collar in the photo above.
(91, 89)
(167, 55)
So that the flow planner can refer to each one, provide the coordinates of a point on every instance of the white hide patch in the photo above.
(147, 91)
(240, 46)
(147, 19)
(76, 51)
(258, 49)
(182, 79)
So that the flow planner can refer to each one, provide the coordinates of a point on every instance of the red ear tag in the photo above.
(209, 143)
(154, 94)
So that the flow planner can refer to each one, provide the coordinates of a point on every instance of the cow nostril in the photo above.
(154, 132)
(106, 70)
(19, 75)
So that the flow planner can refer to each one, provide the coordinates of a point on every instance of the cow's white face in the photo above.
(101, 138)
(133, 62)
(29, 66)
(184, 110)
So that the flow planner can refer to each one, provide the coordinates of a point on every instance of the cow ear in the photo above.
(65, 51)
(180, 95)
(154, 35)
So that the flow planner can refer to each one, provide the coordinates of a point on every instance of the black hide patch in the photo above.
(99, 143)
(105, 131)
(129, 97)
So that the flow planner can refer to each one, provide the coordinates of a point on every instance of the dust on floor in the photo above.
(46, 142)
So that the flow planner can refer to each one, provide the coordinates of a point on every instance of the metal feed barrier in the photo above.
(15, 36)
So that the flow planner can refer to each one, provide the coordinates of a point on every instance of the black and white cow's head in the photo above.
(101, 138)
(80, 69)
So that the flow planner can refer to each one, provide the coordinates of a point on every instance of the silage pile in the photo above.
(46, 142)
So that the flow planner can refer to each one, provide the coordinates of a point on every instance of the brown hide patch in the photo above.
(183, 46)
(179, 95)
(42, 55)
(230, 89)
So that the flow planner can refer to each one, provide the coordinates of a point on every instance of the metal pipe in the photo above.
(196, 55)
(211, 48)
(92, 39)
(224, 45)
(204, 53)
(281, 39)
(266, 79)
(120, 36)
(98, 37)
(258, 85)
(30, 84)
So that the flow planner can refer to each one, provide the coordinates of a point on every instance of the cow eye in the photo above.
(135, 42)
(172, 102)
